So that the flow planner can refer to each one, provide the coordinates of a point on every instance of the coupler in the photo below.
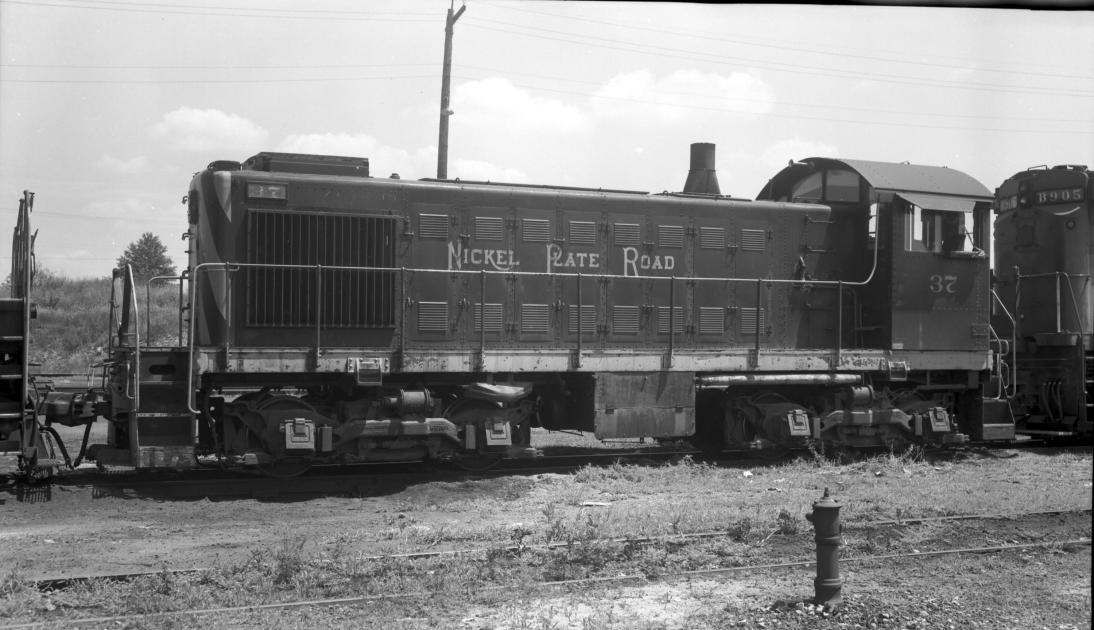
(828, 586)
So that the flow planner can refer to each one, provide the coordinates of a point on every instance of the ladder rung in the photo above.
(11, 415)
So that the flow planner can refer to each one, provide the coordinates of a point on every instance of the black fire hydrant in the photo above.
(828, 586)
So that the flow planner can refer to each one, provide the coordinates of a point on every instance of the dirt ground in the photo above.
(74, 530)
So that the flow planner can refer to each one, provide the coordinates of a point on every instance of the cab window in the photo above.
(837, 185)
(941, 232)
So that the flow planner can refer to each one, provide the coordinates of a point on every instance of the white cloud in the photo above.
(383, 159)
(497, 105)
(206, 130)
(485, 171)
(779, 154)
(681, 96)
(132, 166)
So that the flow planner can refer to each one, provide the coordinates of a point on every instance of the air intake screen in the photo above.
(334, 298)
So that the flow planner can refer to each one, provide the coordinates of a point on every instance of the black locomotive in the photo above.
(1045, 312)
(333, 316)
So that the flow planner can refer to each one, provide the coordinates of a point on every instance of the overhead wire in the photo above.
(796, 68)
(782, 45)
(205, 11)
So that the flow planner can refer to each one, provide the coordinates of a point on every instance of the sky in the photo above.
(108, 107)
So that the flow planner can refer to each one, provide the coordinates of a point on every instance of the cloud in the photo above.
(383, 159)
(499, 106)
(132, 166)
(485, 171)
(682, 96)
(208, 130)
(779, 154)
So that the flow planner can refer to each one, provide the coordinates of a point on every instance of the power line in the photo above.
(204, 11)
(219, 67)
(664, 51)
(720, 38)
(218, 81)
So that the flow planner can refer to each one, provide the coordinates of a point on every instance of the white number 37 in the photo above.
(943, 284)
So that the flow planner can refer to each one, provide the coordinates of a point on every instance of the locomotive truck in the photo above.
(330, 316)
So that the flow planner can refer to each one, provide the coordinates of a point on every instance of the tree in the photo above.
(148, 256)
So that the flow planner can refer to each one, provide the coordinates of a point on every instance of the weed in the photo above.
(288, 560)
(787, 524)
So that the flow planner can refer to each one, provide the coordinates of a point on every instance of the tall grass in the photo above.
(73, 327)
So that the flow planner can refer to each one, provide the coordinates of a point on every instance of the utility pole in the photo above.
(446, 80)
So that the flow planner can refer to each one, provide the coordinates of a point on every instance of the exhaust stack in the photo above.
(702, 179)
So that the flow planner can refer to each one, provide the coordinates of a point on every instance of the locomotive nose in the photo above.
(702, 179)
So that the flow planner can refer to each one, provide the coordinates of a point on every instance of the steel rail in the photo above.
(64, 582)
(361, 599)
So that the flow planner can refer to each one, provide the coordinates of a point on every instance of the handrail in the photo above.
(1013, 338)
(228, 267)
(148, 304)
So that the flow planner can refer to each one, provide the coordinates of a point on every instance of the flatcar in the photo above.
(1045, 302)
(333, 316)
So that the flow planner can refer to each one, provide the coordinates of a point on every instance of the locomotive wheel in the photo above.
(285, 467)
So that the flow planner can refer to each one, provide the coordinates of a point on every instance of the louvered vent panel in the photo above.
(493, 317)
(432, 316)
(583, 232)
(433, 226)
(712, 320)
(670, 236)
(534, 318)
(489, 228)
(588, 318)
(712, 238)
(535, 230)
(748, 321)
(285, 294)
(753, 240)
(628, 234)
(664, 317)
(625, 320)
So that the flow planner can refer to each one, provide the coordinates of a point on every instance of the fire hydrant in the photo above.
(828, 586)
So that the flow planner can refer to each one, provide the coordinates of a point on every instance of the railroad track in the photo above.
(62, 583)
(69, 581)
(364, 480)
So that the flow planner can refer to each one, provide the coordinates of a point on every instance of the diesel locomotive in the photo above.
(330, 316)
(1045, 312)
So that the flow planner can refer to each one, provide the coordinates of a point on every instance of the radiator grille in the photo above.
(536, 230)
(588, 318)
(625, 320)
(712, 320)
(753, 240)
(670, 236)
(628, 234)
(489, 228)
(432, 316)
(493, 317)
(433, 226)
(333, 298)
(748, 321)
(663, 317)
(534, 318)
(583, 232)
(712, 238)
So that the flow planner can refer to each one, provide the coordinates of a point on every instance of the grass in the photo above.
(73, 325)
(761, 513)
